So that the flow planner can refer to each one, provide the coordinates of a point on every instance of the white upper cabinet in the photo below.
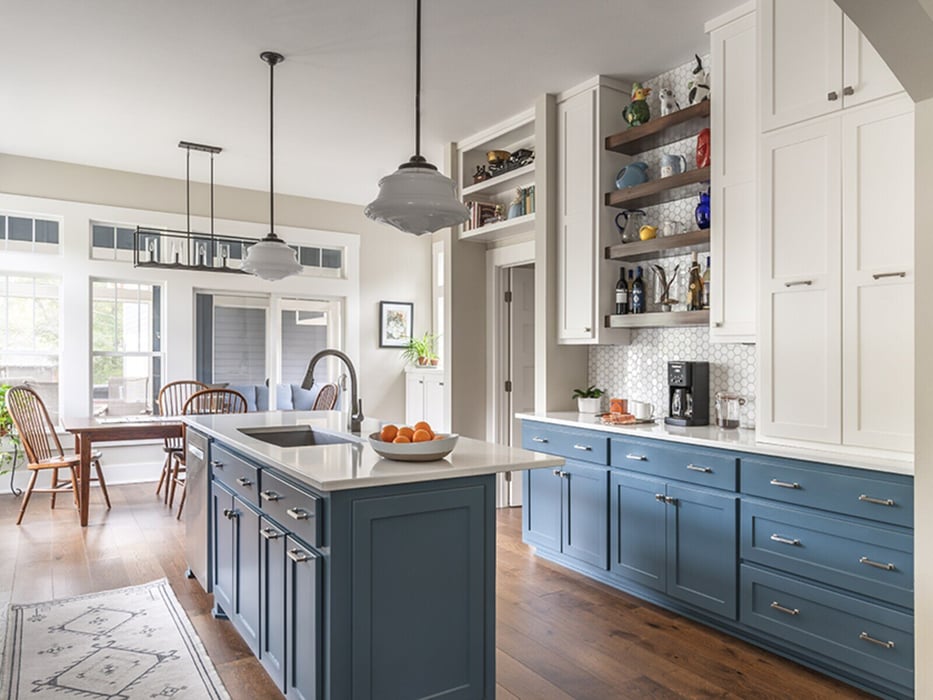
(814, 62)
(878, 275)
(800, 329)
(585, 278)
(734, 218)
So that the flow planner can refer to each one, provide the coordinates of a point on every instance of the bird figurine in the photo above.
(637, 113)
(668, 101)
(698, 85)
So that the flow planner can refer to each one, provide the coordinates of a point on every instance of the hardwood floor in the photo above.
(559, 635)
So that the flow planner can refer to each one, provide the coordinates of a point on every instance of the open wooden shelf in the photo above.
(500, 183)
(661, 131)
(659, 319)
(665, 189)
(660, 247)
(500, 229)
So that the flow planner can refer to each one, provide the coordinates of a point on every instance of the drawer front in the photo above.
(694, 465)
(581, 445)
(866, 637)
(864, 558)
(236, 473)
(296, 510)
(886, 498)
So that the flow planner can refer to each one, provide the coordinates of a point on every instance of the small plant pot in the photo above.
(423, 361)
(434, 361)
(588, 406)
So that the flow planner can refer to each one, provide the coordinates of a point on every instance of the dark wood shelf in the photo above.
(661, 131)
(659, 319)
(665, 189)
(659, 247)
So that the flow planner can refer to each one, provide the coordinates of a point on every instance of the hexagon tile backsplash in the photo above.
(639, 370)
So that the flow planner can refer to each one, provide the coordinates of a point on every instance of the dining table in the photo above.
(90, 429)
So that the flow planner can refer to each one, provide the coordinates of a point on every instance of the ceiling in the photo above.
(117, 83)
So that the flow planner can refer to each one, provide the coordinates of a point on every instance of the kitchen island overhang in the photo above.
(349, 575)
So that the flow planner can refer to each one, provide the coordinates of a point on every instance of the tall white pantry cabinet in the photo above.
(837, 225)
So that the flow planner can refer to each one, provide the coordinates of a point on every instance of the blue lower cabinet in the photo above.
(637, 521)
(224, 550)
(566, 511)
(303, 622)
(702, 534)
(272, 571)
(866, 638)
(676, 539)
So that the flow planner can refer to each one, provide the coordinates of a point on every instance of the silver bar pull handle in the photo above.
(268, 495)
(787, 611)
(882, 275)
(877, 564)
(799, 283)
(270, 533)
(539, 439)
(877, 501)
(695, 468)
(785, 484)
(585, 448)
(865, 637)
(215, 464)
(298, 513)
(196, 451)
(243, 481)
(785, 540)
(298, 555)
(637, 458)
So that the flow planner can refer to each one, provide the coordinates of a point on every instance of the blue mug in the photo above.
(631, 175)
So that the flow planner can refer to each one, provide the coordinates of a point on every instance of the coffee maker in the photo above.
(687, 393)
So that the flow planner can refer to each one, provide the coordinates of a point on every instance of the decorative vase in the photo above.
(702, 211)
(588, 406)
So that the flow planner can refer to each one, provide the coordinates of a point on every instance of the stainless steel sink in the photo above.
(295, 436)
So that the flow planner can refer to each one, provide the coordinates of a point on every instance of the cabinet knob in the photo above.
(659, 497)
(230, 514)
(298, 555)
(243, 481)
(216, 465)
(587, 330)
(269, 495)
(832, 95)
(270, 533)
(848, 90)
(298, 513)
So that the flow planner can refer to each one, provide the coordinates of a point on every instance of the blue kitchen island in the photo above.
(348, 575)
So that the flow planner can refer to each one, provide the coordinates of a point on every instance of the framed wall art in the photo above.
(395, 323)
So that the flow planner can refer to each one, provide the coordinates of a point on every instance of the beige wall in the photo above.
(393, 266)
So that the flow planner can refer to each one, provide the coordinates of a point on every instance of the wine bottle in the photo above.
(706, 284)
(694, 285)
(638, 293)
(621, 293)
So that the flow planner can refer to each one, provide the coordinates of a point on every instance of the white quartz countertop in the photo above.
(356, 465)
(740, 439)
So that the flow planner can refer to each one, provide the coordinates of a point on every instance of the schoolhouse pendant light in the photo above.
(271, 258)
(416, 198)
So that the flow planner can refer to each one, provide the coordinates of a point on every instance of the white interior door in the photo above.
(522, 347)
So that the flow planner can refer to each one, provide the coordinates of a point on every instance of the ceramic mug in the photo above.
(642, 410)
(671, 228)
(672, 164)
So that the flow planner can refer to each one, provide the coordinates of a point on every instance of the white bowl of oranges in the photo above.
(418, 443)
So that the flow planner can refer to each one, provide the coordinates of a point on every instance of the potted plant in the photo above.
(421, 351)
(7, 436)
(588, 399)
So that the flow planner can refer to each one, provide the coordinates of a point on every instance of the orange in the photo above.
(405, 431)
(421, 435)
(439, 437)
(401, 439)
(424, 425)
(388, 433)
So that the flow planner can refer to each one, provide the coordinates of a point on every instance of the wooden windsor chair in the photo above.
(44, 450)
(202, 402)
(326, 398)
(172, 398)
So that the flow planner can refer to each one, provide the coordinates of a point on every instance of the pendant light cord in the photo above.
(418, 82)
(271, 146)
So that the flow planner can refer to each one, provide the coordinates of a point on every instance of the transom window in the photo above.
(29, 234)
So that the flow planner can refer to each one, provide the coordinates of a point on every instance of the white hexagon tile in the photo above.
(639, 370)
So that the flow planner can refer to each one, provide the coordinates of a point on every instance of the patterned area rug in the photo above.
(125, 644)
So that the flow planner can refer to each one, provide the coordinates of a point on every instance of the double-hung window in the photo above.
(126, 347)
(30, 321)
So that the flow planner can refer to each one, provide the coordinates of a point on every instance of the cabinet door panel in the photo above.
(637, 529)
(224, 550)
(801, 44)
(702, 554)
(303, 631)
(247, 605)
(272, 596)
(434, 403)
(586, 513)
(863, 69)
(878, 313)
(542, 509)
(576, 218)
(414, 398)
